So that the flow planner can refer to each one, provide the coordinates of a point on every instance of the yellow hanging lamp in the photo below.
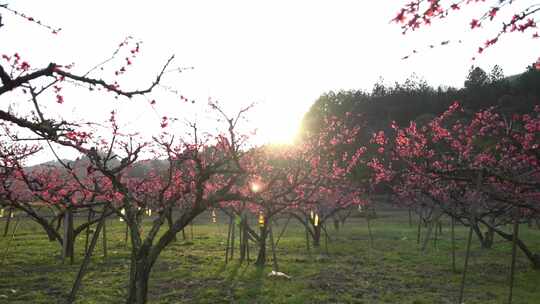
(214, 219)
(261, 219)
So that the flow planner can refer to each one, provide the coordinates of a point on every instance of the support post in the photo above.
(274, 256)
(462, 288)
(86, 261)
(8, 221)
(453, 244)
(514, 249)
(228, 241)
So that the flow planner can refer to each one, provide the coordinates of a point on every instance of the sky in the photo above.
(280, 55)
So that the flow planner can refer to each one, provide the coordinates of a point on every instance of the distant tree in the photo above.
(476, 78)
(496, 75)
(529, 82)
(379, 88)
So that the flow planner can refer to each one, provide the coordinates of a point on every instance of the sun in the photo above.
(276, 128)
(255, 187)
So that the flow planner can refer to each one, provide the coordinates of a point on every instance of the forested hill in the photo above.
(415, 99)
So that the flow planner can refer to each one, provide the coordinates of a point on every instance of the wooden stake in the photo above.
(86, 261)
(419, 231)
(369, 232)
(462, 288)
(513, 264)
(283, 230)
(126, 234)
(89, 218)
(228, 241)
(435, 236)
(241, 241)
(274, 256)
(9, 242)
(325, 239)
(307, 239)
(67, 250)
(104, 238)
(453, 244)
(246, 239)
(233, 230)
(8, 221)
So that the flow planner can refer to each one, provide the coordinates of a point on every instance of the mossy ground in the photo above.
(193, 271)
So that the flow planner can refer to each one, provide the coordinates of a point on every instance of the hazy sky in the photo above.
(280, 54)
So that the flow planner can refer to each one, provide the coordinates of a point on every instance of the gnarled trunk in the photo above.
(261, 256)
(336, 223)
(170, 222)
(484, 243)
(139, 276)
(68, 248)
(488, 238)
(8, 221)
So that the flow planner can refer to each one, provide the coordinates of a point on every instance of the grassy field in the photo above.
(193, 271)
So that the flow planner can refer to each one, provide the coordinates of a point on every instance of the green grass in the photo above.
(193, 271)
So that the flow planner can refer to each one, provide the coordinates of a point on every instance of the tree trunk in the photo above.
(325, 239)
(243, 239)
(336, 224)
(170, 222)
(316, 236)
(138, 279)
(432, 226)
(261, 256)
(343, 220)
(484, 243)
(8, 221)
(126, 234)
(488, 238)
(69, 241)
(465, 266)
(427, 236)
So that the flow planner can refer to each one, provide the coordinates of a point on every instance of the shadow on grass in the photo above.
(243, 281)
